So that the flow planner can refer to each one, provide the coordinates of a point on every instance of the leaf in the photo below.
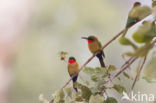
(119, 88)
(127, 75)
(153, 3)
(126, 41)
(59, 97)
(96, 74)
(88, 70)
(96, 99)
(85, 91)
(79, 99)
(150, 71)
(94, 78)
(142, 51)
(145, 33)
(94, 90)
(111, 68)
(42, 99)
(68, 92)
(62, 55)
(111, 100)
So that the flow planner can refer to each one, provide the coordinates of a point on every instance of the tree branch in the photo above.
(123, 67)
(138, 74)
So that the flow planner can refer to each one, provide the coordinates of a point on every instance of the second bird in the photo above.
(73, 70)
(94, 46)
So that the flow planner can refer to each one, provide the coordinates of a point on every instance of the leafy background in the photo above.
(58, 25)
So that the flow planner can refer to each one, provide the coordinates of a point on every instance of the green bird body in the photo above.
(132, 19)
(94, 46)
(136, 14)
(73, 70)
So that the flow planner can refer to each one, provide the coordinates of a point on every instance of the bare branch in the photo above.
(123, 67)
(138, 74)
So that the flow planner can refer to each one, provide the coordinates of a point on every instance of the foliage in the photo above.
(150, 71)
(96, 92)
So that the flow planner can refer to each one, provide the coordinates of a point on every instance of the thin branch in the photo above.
(123, 67)
(138, 74)
(109, 42)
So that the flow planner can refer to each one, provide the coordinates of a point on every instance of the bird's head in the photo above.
(137, 4)
(90, 39)
(71, 60)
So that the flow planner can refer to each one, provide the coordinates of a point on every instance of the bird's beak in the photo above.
(84, 38)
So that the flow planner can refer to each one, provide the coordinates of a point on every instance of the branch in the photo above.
(137, 75)
(123, 67)
(109, 42)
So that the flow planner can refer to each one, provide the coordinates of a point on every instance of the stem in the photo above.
(137, 75)
(123, 67)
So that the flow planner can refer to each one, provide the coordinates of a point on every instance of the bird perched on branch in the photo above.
(94, 46)
(131, 19)
(136, 14)
(73, 70)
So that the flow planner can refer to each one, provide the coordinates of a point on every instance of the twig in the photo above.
(123, 67)
(138, 74)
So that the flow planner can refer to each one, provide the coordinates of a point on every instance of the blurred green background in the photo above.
(59, 25)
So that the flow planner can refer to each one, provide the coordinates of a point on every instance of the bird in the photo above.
(94, 46)
(132, 19)
(73, 70)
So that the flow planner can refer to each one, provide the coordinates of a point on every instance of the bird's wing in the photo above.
(100, 47)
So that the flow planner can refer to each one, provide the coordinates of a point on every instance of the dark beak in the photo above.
(84, 38)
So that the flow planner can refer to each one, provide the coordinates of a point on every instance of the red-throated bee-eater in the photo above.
(94, 46)
(73, 70)
(132, 19)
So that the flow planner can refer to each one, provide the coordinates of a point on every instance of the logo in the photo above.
(138, 97)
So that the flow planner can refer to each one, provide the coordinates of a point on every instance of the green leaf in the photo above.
(94, 78)
(126, 41)
(96, 99)
(79, 99)
(96, 74)
(85, 91)
(94, 90)
(68, 92)
(111, 68)
(59, 97)
(119, 88)
(142, 51)
(145, 32)
(88, 70)
(150, 71)
(153, 3)
(111, 100)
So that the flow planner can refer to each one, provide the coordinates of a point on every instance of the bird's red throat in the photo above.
(71, 61)
(90, 41)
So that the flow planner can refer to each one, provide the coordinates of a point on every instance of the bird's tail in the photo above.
(74, 83)
(100, 57)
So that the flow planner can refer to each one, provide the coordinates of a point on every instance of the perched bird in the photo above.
(131, 18)
(136, 14)
(73, 70)
(94, 46)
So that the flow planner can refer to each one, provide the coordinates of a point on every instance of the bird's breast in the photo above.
(93, 47)
(73, 69)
